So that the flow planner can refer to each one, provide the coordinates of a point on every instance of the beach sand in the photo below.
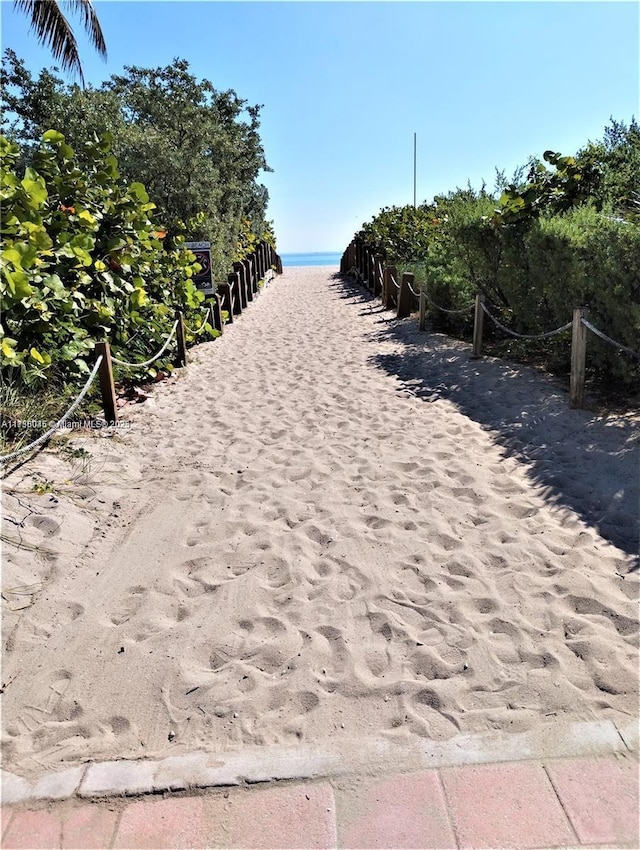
(329, 526)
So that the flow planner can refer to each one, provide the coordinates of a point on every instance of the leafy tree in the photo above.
(195, 149)
(565, 231)
(617, 156)
(83, 259)
(53, 29)
(546, 190)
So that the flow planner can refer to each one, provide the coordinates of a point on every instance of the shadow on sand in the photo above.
(578, 459)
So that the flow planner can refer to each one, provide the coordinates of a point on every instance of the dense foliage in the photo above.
(196, 150)
(83, 259)
(567, 234)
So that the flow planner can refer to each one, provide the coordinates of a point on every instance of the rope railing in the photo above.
(358, 258)
(155, 356)
(524, 336)
(457, 311)
(61, 421)
(608, 339)
(255, 267)
(202, 326)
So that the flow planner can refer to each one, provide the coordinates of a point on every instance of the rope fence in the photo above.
(202, 326)
(231, 297)
(61, 421)
(506, 330)
(458, 311)
(155, 357)
(608, 339)
(366, 265)
(413, 292)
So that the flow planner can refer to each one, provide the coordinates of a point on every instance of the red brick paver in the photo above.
(34, 831)
(569, 803)
(88, 827)
(6, 814)
(401, 812)
(505, 806)
(600, 796)
(157, 824)
(293, 816)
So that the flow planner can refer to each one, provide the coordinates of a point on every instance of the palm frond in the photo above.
(54, 30)
(84, 9)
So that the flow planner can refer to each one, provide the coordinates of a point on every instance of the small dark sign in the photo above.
(204, 279)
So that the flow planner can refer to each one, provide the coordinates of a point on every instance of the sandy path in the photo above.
(332, 526)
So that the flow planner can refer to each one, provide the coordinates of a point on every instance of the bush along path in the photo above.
(84, 261)
(564, 233)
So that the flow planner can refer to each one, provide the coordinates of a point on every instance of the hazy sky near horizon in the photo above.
(346, 84)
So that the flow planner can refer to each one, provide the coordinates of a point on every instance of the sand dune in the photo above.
(325, 528)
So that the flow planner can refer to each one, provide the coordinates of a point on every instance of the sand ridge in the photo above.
(317, 537)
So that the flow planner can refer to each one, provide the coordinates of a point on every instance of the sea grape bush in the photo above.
(82, 260)
(197, 150)
(565, 236)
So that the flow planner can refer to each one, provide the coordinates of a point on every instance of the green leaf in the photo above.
(139, 191)
(138, 298)
(85, 215)
(17, 284)
(53, 136)
(35, 188)
(8, 347)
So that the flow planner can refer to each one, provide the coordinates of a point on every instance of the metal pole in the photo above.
(414, 170)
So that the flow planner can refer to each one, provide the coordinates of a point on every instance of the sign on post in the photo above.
(204, 279)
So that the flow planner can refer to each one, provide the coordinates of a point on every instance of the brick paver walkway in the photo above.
(559, 803)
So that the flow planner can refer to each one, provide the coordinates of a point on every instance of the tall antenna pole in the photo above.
(414, 170)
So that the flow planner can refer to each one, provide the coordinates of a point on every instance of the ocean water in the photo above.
(322, 258)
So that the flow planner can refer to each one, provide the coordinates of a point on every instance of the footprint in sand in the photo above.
(278, 574)
(33, 717)
(622, 624)
(267, 644)
(45, 524)
(292, 704)
(135, 599)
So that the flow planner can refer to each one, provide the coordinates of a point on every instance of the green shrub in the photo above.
(83, 260)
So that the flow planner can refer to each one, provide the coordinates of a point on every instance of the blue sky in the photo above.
(346, 85)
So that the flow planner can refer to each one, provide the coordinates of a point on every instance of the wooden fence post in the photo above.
(234, 290)
(250, 277)
(238, 269)
(578, 357)
(246, 271)
(422, 326)
(216, 313)
(478, 324)
(391, 291)
(404, 297)
(377, 273)
(181, 354)
(107, 386)
(260, 256)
